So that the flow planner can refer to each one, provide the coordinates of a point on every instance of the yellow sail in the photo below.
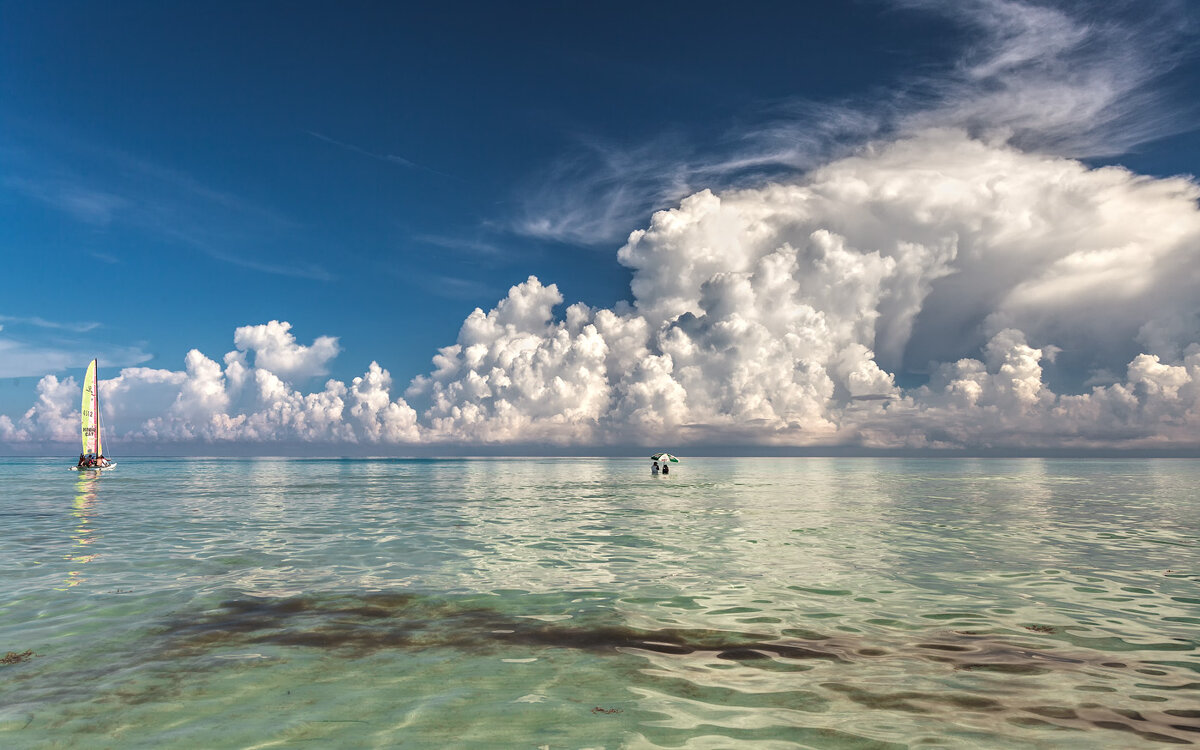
(90, 412)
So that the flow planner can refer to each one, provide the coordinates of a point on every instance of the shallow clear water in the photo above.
(766, 603)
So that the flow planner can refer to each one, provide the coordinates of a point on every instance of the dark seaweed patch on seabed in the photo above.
(400, 621)
(360, 625)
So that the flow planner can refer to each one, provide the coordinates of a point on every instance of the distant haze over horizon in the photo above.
(901, 228)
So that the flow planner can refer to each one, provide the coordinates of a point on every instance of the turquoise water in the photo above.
(582, 603)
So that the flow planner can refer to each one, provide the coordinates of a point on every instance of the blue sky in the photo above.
(373, 172)
(367, 168)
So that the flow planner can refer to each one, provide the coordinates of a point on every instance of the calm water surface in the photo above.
(581, 603)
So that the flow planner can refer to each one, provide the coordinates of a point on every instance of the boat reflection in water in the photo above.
(86, 486)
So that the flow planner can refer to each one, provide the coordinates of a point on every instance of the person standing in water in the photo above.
(666, 468)
(654, 468)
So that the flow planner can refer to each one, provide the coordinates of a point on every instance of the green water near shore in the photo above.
(768, 603)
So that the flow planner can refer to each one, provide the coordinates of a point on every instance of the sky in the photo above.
(405, 229)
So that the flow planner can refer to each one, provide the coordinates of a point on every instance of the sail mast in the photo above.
(96, 407)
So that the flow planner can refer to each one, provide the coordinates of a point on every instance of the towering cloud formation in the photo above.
(778, 315)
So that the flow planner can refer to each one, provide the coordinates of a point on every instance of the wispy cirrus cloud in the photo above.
(82, 202)
(463, 244)
(454, 287)
(1075, 80)
(107, 188)
(593, 194)
(78, 326)
(390, 158)
(598, 193)
(23, 359)
(399, 161)
(33, 346)
(298, 269)
(443, 285)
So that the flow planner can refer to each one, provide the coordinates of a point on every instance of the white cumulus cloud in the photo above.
(777, 315)
(275, 349)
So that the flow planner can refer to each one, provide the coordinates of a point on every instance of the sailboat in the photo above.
(92, 458)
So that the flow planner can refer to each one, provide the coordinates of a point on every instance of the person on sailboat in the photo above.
(82, 460)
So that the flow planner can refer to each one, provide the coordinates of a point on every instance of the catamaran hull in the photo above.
(93, 468)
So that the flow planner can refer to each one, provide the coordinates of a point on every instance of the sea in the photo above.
(557, 603)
